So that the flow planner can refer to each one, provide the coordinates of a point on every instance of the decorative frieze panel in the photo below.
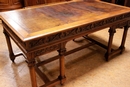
(120, 24)
(46, 50)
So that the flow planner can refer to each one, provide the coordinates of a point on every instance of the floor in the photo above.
(86, 68)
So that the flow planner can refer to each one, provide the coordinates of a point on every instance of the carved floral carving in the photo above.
(46, 50)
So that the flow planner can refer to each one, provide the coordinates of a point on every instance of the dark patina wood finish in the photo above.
(42, 29)
(10, 4)
(38, 2)
(119, 2)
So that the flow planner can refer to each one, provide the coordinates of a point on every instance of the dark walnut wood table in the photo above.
(42, 29)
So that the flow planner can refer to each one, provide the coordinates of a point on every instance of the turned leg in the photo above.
(111, 34)
(11, 54)
(31, 65)
(122, 47)
(62, 65)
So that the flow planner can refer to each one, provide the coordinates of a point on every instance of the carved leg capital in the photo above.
(31, 63)
(112, 31)
(62, 51)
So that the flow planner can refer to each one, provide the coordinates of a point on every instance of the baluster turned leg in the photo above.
(111, 34)
(122, 47)
(11, 54)
(31, 65)
(62, 65)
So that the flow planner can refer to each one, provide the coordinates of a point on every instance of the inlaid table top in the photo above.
(42, 20)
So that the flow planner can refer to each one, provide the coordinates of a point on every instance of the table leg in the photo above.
(122, 47)
(62, 65)
(111, 34)
(31, 65)
(11, 54)
(62, 69)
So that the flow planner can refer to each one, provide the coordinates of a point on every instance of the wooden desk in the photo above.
(43, 29)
